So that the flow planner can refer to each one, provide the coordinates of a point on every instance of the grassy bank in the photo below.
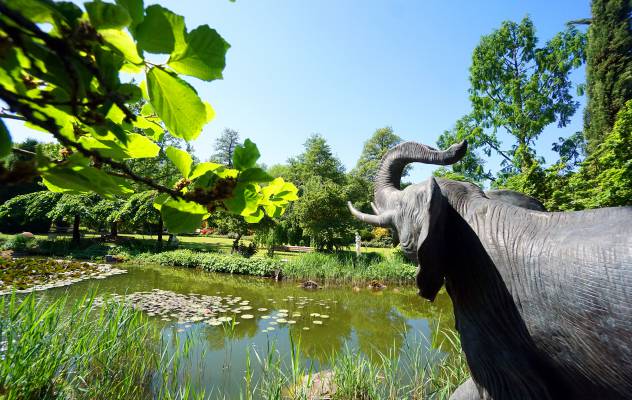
(79, 351)
(320, 267)
(340, 267)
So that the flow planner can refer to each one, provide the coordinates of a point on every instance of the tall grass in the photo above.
(59, 350)
(348, 268)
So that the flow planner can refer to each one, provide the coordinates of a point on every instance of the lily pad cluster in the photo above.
(229, 309)
(34, 274)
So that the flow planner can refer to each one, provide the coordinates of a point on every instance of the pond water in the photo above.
(361, 320)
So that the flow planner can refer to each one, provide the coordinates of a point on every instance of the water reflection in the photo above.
(366, 321)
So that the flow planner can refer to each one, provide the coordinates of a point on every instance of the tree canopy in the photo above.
(609, 66)
(69, 80)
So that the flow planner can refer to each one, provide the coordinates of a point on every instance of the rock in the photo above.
(318, 386)
(376, 285)
(309, 285)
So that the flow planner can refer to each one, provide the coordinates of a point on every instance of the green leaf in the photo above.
(204, 56)
(135, 9)
(254, 217)
(123, 42)
(246, 156)
(181, 216)
(161, 31)
(176, 103)
(76, 176)
(203, 168)
(35, 10)
(254, 175)
(245, 200)
(5, 140)
(131, 91)
(137, 146)
(107, 15)
(181, 159)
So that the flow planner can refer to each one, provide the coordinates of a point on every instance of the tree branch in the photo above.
(581, 21)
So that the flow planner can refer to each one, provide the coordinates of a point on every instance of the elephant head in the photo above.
(416, 212)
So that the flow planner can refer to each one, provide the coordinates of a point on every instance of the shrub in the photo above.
(28, 212)
(19, 243)
(213, 262)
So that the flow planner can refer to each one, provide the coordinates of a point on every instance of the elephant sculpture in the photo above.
(542, 300)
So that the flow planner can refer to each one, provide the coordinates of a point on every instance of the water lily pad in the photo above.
(281, 320)
(306, 328)
(246, 308)
(324, 316)
(265, 316)
(317, 322)
(291, 321)
(262, 309)
(247, 316)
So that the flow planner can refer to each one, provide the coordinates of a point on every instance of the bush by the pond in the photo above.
(19, 242)
(214, 262)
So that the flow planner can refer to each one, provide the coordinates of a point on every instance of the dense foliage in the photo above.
(609, 66)
(28, 212)
(214, 262)
(67, 80)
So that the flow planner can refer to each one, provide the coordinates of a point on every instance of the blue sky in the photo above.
(345, 68)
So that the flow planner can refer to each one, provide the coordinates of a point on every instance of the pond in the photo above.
(319, 322)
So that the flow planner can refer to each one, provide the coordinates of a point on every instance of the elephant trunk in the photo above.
(389, 175)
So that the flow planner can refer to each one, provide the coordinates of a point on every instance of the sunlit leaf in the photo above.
(136, 10)
(181, 159)
(107, 15)
(161, 31)
(123, 42)
(245, 200)
(204, 55)
(254, 217)
(35, 10)
(176, 104)
(137, 146)
(76, 176)
(203, 168)
(254, 175)
(246, 155)
(181, 216)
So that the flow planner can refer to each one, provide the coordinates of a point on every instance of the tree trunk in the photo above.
(114, 230)
(160, 228)
(75, 230)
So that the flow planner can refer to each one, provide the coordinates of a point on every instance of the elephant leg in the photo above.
(467, 391)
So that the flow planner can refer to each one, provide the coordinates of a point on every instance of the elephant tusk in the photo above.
(384, 219)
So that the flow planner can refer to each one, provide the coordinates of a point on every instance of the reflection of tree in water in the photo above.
(438, 314)
(378, 319)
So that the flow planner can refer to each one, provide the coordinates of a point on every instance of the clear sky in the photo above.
(343, 68)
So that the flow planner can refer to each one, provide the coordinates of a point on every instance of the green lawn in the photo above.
(205, 243)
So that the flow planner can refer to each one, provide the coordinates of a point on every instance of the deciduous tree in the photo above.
(608, 67)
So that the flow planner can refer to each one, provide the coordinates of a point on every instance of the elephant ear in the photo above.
(430, 272)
